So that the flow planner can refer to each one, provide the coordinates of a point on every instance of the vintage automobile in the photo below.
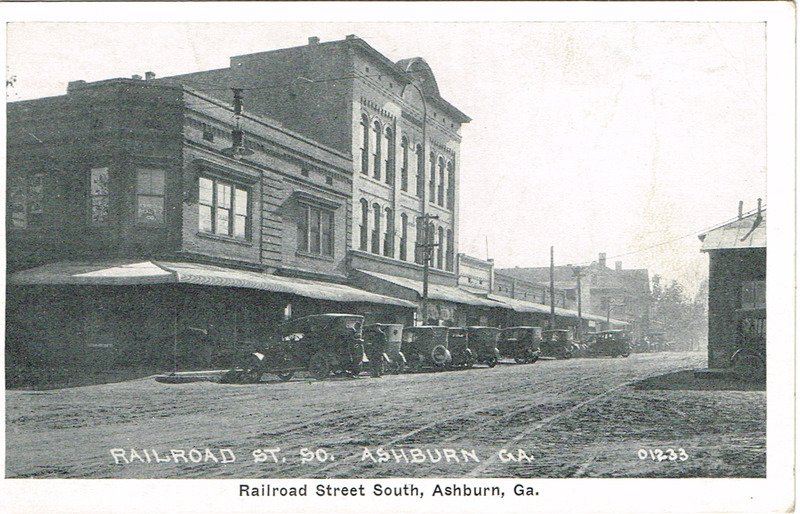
(611, 343)
(321, 344)
(426, 347)
(558, 343)
(482, 341)
(382, 344)
(520, 344)
(458, 346)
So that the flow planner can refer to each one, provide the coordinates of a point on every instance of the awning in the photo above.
(538, 308)
(435, 291)
(162, 272)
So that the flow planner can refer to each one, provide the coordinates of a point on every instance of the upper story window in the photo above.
(150, 197)
(420, 172)
(448, 258)
(439, 250)
(364, 239)
(403, 236)
(224, 208)
(390, 156)
(451, 185)
(404, 164)
(432, 183)
(388, 239)
(25, 200)
(364, 144)
(98, 196)
(376, 229)
(376, 164)
(315, 230)
(440, 195)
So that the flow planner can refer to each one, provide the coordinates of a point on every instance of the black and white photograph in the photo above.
(338, 258)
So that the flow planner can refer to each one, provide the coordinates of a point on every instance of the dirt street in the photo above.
(601, 417)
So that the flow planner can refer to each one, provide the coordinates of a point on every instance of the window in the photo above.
(404, 164)
(376, 164)
(754, 295)
(98, 195)
(150, 197)
(376, 229)
(315, 230)
(420, 172)
(450, 251)
(439, 250)
(432, 183)
(26, 200)
(224, 208)
(451, 185)
(419, 253)
(364, 144)
(441, 182)
(208, 134)
(388, 239)
(403, 236)
(364, 236)
(390, 156)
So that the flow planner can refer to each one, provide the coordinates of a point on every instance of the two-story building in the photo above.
(404, 140)
(149, 223)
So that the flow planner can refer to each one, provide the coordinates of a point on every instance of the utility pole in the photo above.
(577, 270)
(424, 223)
(552, 292)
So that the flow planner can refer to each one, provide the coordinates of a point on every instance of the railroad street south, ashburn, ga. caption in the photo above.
(381, 490)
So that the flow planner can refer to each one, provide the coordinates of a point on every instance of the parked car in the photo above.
(458, 346)
(426, 346)
(520, 344)
(558, 343)
(382, 344)
(482, 342)
(611, 343)
(321, 344)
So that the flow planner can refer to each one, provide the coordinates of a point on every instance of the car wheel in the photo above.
(566, 353)
(492, 362)
(286, 376)
(439, 356)
(319, 366)
(750, 367)
(521, 360)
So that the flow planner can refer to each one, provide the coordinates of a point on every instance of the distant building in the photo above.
(623, 294)
(737, 285)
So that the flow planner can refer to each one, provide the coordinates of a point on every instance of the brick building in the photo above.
(404, 139)
(737, 286)
(132, 222)
(606, 293)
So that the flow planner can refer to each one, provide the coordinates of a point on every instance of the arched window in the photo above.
(441, 183)
(420, 172)
(388, 238)
(439, 250)
(364, 225)
(376, 229)
(448, 260)
(390, 156)
(364, 144)
(404, 164)
(419, 253)
(432, 184)
(403, 236)
(376, 164)
(451, 185)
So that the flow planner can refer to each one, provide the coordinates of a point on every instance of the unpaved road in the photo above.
(575, 418)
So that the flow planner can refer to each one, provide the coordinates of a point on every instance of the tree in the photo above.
(682, 319)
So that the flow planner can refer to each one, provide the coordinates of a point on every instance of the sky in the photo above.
(586, 136)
